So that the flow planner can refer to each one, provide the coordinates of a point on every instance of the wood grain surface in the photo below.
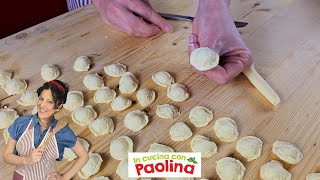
(282, 35)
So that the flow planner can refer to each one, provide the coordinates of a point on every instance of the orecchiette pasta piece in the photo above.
(146, 97)
(136, 120)
(287, 152)
(163, 78)
(120, 147)
(167, 111)
(83, 115)
(104, 95)
(155, 147)
(101, 126)
(115, 70)
(274, 171)
(121, 103)
(82, 63)
(230, 168)
(128, 83)
(92, 166)
(177, 92)
(7, 116)
(4, 76)
(249, 147)
(204, 145)
(100, 178)
(93, 81)
(204, 59)
(180, 132)
(74, 100)
(14, 86)
(313, 176)
(226, 129)
(49, 72)
(28, 98)
(200, 116)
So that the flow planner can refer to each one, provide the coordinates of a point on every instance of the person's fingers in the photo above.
(149, 14)
(231, 67)
(193, 43)
(136, 26)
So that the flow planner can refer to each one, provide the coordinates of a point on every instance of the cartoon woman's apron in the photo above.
(42, 169)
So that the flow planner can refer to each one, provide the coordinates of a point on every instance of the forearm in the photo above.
(80, 162)
(15, 160)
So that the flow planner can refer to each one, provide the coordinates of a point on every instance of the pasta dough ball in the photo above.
(204, 145)
(7, 116)
(287, 152)
(313, 176)
(49, 72)
(204, 59)
(14, 86)
(136, 120)
(155, 147)
(100, 178)
(128, 83)
(92, 167)
(70, 155)
(104, 95)
(200, 116)
(162, 78)
(226, 129)
(93, 81)
(82, 63)
(177, 92)
(74, 100)
(28, 98)
(167, 111)
(101, 126)
(229, 168)
(115, 70)
(120, 147)
(4, 76)
(83, 115)
(146, 97)
(6, 135)
(180, 132)
(274, 171)
(122, 170)
(120, 103)
(249, 147)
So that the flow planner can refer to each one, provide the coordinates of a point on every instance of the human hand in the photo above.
(35, 156)
(213, 27)
(125, 15)
(55, 176)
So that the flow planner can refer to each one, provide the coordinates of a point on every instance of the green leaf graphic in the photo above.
(190, 159)
(195, 162)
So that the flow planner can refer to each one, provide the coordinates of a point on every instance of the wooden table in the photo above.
(282, 35)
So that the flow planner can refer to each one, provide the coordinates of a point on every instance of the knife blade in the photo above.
(190, 18)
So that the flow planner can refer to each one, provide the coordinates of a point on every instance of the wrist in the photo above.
(26, 160)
